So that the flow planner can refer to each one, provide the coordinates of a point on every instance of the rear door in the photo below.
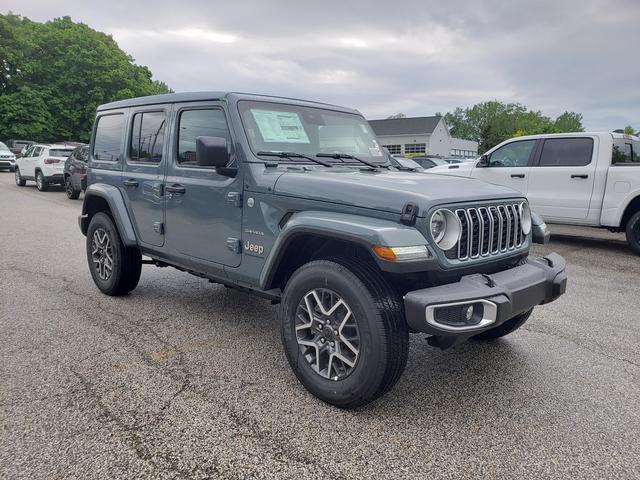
(143, 175)
(562, 177)
(509, 165)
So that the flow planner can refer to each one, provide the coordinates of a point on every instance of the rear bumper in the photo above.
(57, 178)
(495, 299)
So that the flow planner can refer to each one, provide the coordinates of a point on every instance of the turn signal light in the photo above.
(395, 254)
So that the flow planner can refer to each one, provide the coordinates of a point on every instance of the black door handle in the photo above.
(130, 183)
(580, 176)
(517, 175)
(175, 188)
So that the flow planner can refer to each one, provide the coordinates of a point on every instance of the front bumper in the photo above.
(498, 297)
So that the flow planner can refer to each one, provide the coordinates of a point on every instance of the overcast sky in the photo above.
(382, 57)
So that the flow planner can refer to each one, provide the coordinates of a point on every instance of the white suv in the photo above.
(44, 164)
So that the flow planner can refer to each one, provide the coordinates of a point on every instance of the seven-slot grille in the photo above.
(487, 231)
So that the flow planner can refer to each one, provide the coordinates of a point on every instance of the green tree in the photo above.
(67, 67)
(628, 130)
(492, 122)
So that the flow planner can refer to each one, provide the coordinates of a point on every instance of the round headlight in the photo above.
(445, 228)
(525, 217)
(438, 225)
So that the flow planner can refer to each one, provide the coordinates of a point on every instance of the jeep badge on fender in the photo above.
(330, 236)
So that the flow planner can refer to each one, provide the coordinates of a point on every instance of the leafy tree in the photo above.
(629, 130)
(57, 73)
(492, 122)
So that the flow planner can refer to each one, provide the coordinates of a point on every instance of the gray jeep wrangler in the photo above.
(297, 202)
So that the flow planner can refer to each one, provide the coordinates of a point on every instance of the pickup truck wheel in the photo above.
(343, 331)
(41, 183)
(506, 328)
(71, 192)
(21, 182)
(633, 232)
(114, 267)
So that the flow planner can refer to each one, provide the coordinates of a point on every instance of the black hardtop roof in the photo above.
(203, 96)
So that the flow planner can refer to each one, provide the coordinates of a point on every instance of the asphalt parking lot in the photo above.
(185, 379)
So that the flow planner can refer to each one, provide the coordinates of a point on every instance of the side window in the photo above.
(196, 123)
(625, 152)
(566, 152)
(515, 154)
(37, 151)
(147, 137)
(108, 138)
(28, 152)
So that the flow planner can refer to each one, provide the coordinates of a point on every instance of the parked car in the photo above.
(590, 179)
(42, 163)
(405, 163)
(18, 147)
(296, 202)
(75, 172)
(429, 162)
(7, 158)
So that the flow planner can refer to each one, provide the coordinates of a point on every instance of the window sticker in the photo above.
(280, 127)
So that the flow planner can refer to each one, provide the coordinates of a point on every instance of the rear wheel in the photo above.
(506, 328)
(41, 183)
(114, 267)
(69, 189)
(633, 232)
(21, 182)
(343, 331)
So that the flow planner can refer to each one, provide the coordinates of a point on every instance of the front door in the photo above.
(144, 172)
(562, 178)
(203, 216)
(509, 165)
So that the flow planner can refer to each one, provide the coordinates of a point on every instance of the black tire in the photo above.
(633, 232)
(12, 169)
(72, 193)
(41, 182)
(504, 329)
(126, 261)
(21, 182)
(383, 333)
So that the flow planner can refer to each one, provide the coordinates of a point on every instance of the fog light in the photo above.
(469, 313)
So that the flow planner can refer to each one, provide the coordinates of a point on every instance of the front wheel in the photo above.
(633, 232)
(69, 189)
(115, 268)
(343, 331)
(506, 328)
(21, 182)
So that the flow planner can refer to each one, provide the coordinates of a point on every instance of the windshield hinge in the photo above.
(409, 214)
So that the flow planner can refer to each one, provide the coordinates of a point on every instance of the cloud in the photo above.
(417, 57)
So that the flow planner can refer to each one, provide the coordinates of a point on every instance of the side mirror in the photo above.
(211, 152)
(540, 232)
(484, 161)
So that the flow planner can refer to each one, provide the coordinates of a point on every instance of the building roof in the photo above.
(405, 126)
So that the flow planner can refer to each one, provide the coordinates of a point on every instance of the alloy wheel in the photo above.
(102, 253)
(39, 181)
(327, 334)
(68, 187)
(17, 176)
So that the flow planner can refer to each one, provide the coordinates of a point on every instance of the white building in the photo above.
(422, 135)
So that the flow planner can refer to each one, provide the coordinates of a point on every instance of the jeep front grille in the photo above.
(487, 231)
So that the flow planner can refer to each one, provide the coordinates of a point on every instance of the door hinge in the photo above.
(158, 227)
(234, 245)
(235, 198)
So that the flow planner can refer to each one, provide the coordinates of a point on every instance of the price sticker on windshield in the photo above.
(280, 127)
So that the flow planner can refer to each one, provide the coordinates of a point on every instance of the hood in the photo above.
(463, 169)
(388, 191)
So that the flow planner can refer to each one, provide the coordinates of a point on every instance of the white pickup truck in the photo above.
(590, 179)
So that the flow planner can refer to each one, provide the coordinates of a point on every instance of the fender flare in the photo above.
(117, 208)
(361, 230)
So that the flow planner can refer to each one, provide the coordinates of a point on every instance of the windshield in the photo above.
(3, 146)
(60, 152)
(275, 127)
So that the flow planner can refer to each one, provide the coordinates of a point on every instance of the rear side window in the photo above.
(196, 123)
(108, 138)
(566, 152)
(147, 137)
(625, 152)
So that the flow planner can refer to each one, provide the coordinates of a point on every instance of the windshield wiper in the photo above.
(346, 156)
(294, 155)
